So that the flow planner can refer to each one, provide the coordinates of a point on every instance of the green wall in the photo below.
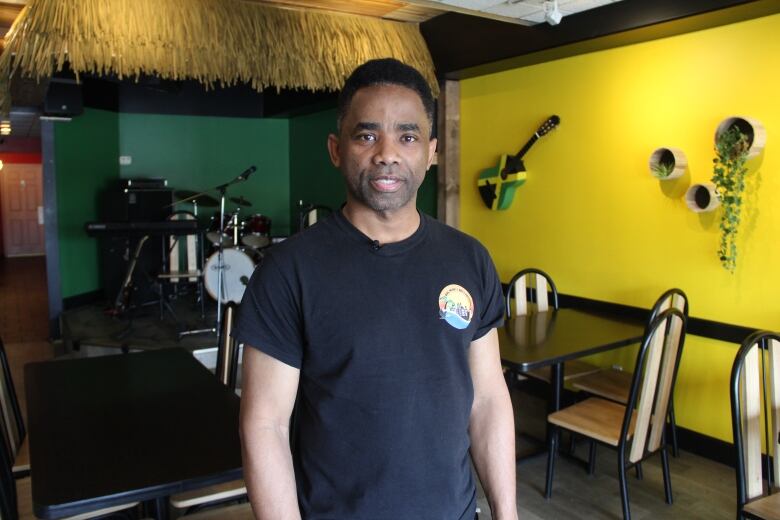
(86, 151)
(314, 180)
(193, 153)
(198, 153)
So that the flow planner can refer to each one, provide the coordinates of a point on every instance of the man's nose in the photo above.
(386, 152)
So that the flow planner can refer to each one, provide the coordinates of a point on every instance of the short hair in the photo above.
(385, 71)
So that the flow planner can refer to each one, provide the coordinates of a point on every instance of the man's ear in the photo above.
(333, 150)
(431, 151)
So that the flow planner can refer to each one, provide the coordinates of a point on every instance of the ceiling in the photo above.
(484, 42)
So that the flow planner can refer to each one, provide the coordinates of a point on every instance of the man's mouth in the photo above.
(386, 183)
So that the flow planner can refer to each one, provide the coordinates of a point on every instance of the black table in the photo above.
(124, 428)
(549, 338)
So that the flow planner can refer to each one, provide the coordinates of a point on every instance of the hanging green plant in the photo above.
(731, 149)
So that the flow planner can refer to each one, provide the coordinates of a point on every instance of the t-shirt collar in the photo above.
(390, 249)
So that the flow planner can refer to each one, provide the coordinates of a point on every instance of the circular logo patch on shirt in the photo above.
(456, 306)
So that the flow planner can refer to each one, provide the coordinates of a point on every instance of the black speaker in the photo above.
(63, 98)
(136, 205)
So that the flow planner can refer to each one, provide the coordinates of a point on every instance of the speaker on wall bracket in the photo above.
(63, 98)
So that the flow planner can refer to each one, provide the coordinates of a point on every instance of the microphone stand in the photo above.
(222, 189)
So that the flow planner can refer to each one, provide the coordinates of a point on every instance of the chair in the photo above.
(529, 289)
(755, 388)
(226, 371)
(228, 352)
(615, 384)
(636, 429)
(309, 214)
(234, 512)
(14, 432)
(182, 261)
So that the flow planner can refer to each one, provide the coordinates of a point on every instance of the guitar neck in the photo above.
(527, 146)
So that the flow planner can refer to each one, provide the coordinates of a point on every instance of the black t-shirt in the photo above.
(381, 336)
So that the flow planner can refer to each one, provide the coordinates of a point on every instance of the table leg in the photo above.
(159, 508)
(556, 390)
(556, 386)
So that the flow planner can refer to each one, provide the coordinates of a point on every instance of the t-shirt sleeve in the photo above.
(492, 314)
(268, 318)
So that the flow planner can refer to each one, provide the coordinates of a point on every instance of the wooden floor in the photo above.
(702, 488)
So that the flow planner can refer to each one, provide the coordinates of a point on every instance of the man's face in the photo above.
(384, 147)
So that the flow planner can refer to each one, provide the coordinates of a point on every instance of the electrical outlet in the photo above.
(125, 160)
(619, 368)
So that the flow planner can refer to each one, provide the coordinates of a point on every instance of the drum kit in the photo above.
(235, 245)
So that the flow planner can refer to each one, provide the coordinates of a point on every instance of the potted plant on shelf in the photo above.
(667, 163)
(731, 148)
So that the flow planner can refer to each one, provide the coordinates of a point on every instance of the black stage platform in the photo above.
(140, 329)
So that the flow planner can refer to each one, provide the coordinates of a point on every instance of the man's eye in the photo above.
(366, 137)
(409, 138)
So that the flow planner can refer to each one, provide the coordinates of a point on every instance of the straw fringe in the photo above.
(217, 42)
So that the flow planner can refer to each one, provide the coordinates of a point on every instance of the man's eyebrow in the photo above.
(408, 127)
(366, 126)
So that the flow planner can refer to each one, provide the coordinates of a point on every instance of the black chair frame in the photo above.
(760, 340)
(624, 443)
(530, 291)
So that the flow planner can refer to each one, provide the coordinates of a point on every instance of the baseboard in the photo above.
(706, 446)
(71, 302)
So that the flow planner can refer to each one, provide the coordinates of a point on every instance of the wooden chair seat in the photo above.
(767, 507)
(25, 507)
(610, 384)
(236, 512)
(596, 418)
(216, 493)
(571, 370)
(22, 461)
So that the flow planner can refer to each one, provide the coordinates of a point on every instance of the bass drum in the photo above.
(237, 269)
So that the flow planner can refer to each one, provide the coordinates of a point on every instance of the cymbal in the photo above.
(201, 199)
(241, 201)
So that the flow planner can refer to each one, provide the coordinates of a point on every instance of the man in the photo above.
(382, 322)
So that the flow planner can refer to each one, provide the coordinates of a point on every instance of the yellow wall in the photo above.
(591, 214)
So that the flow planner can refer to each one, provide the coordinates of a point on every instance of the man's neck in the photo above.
(385, 227)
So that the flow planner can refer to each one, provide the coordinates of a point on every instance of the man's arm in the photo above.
(268, 395)
(492, 428)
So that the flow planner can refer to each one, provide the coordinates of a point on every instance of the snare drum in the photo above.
(237, 269)
(256, 231)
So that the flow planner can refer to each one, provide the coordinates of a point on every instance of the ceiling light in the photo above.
(552, 14)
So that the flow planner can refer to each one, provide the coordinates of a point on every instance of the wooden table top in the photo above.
(116, 429)
(541, 339)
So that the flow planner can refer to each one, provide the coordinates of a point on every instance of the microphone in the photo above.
(375, 245)
(244, 280)
(246, 173)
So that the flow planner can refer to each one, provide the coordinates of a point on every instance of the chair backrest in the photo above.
(8, 500)
(755, 392)
(653, 383)
(309, 214)
(527, 287)
(675, 298)
(227, 354)
(13, 425)
(182, 250)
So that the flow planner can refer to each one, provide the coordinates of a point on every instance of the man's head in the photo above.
(385, 71)
(384, 144)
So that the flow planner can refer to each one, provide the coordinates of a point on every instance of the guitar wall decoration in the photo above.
(497, 185)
